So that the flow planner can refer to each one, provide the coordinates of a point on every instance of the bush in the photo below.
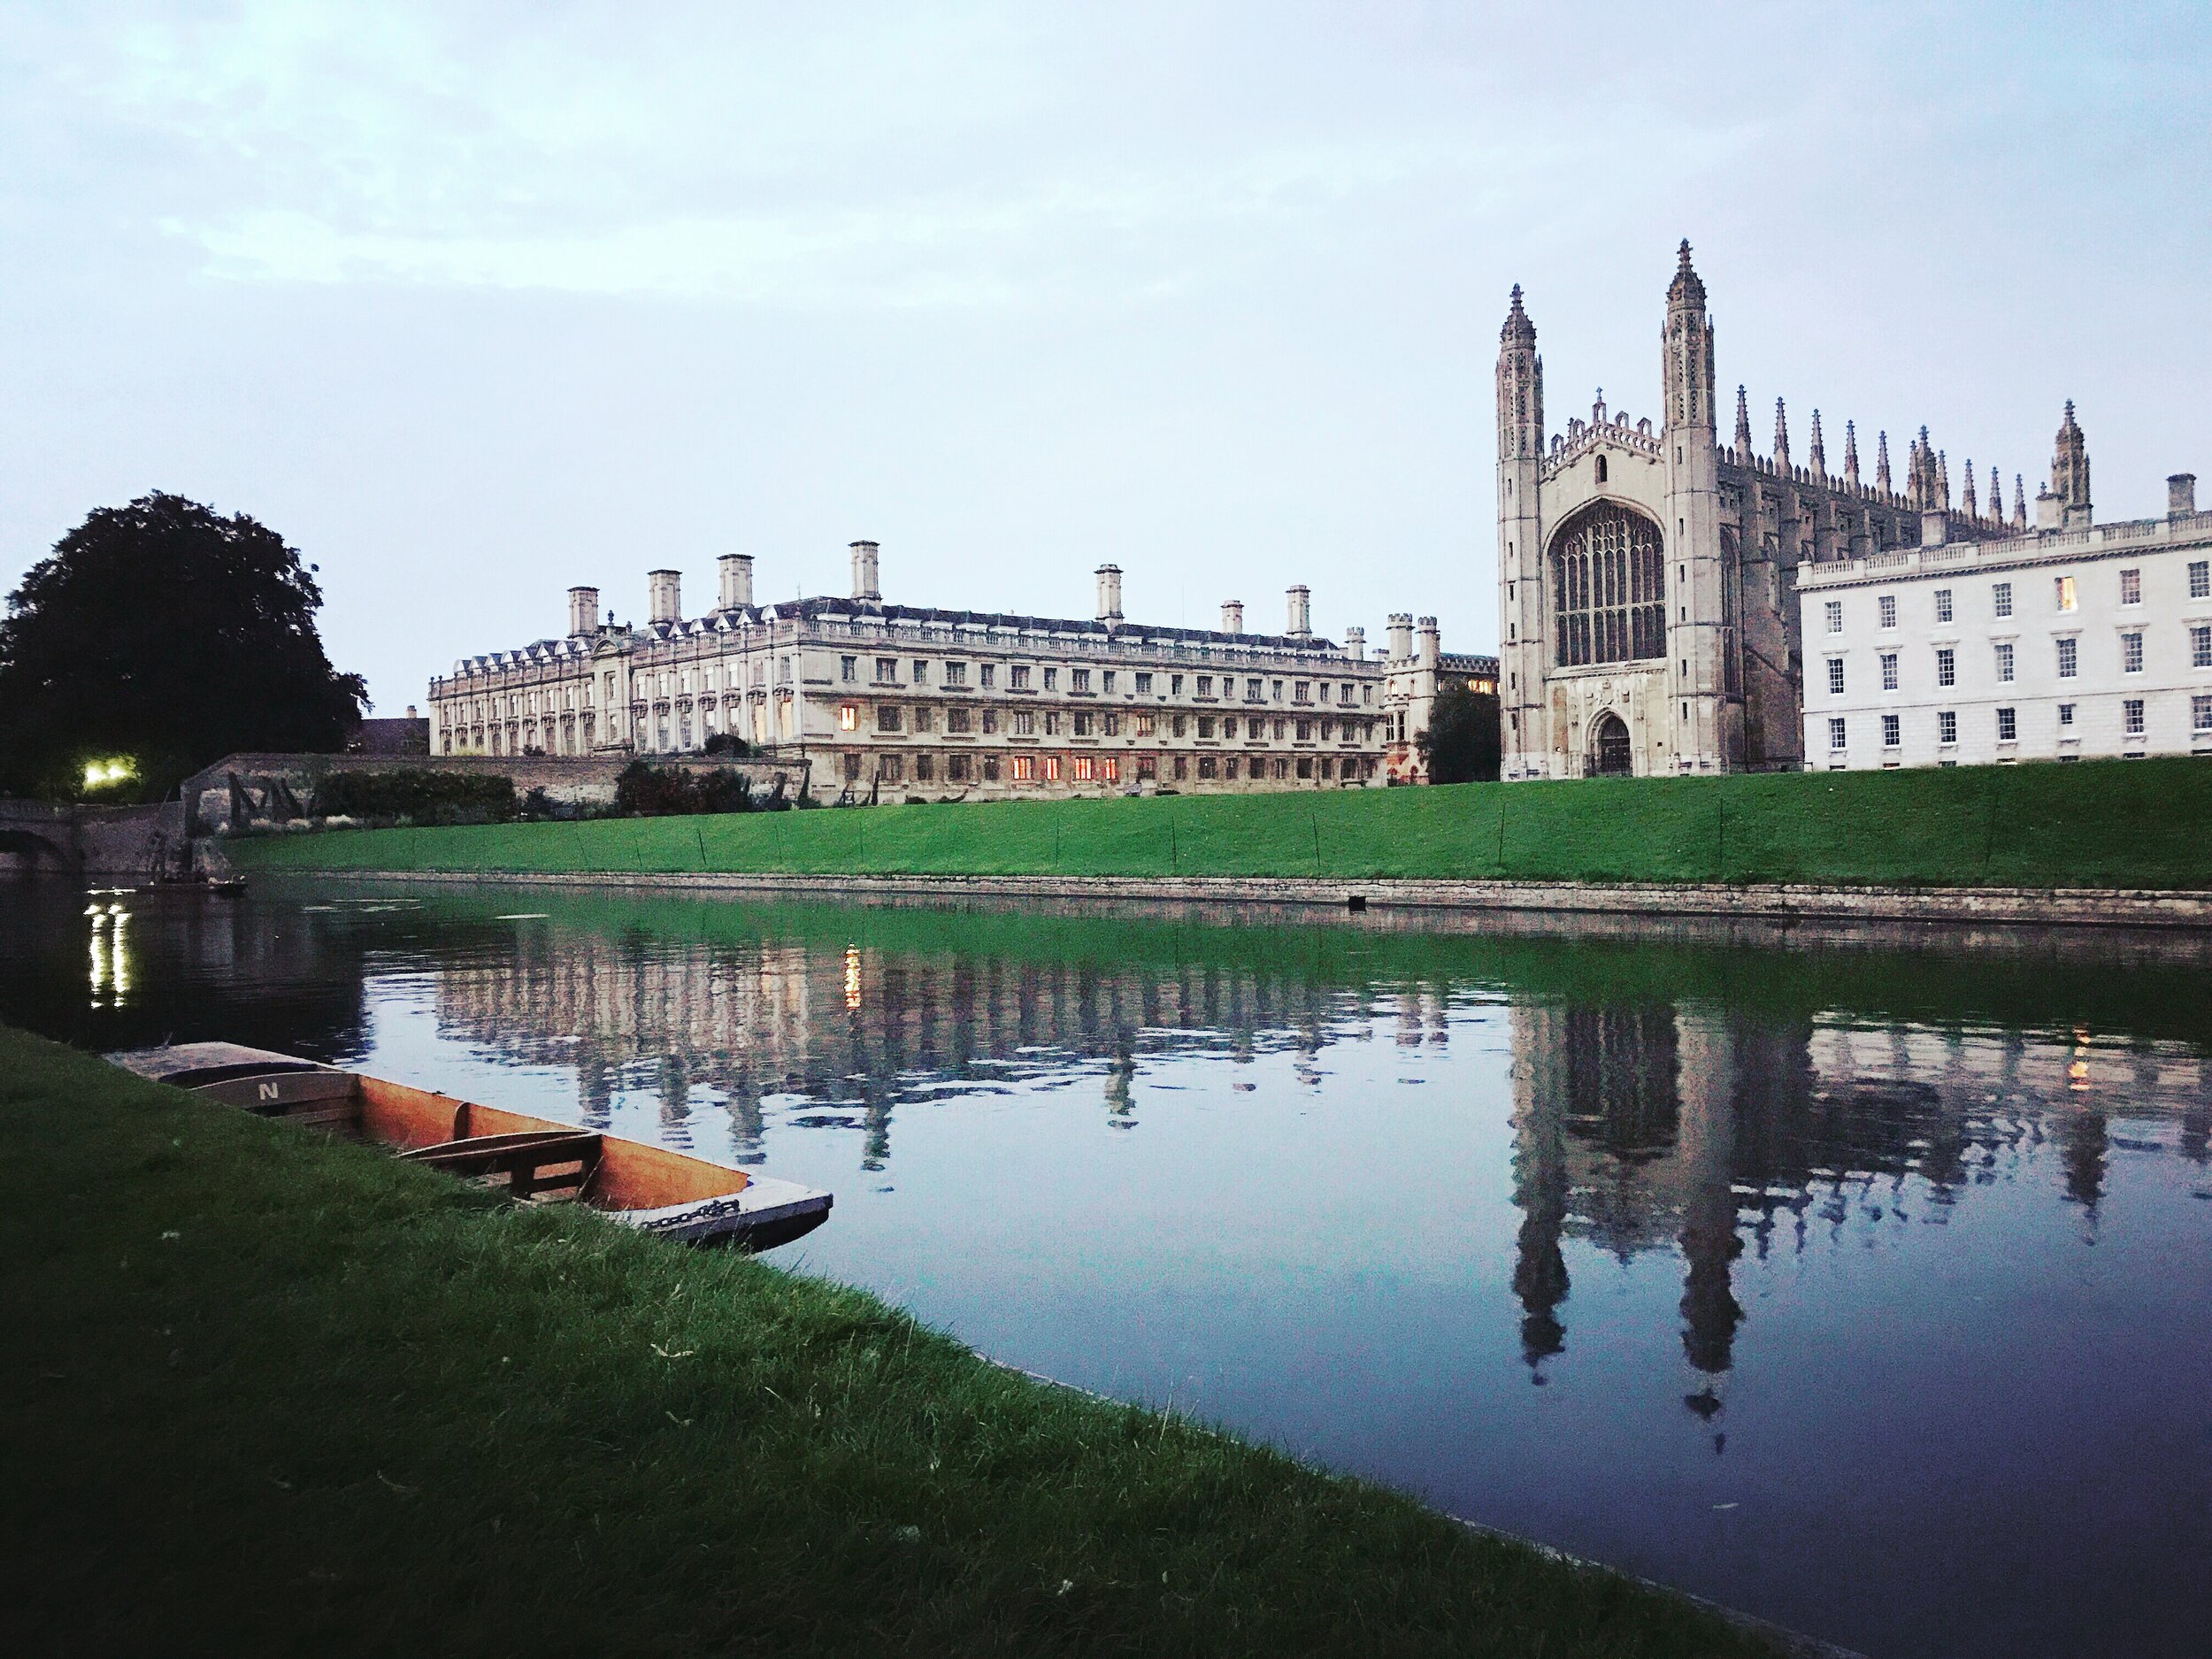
(728, 743)
(424, 797)
(645, 790)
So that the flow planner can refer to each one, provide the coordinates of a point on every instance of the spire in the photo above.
(1518, 331)
(2069, 465)
(1881, 463)
(2019, 502)
(1743, 425)
(1943, 480)
(1687, 292)
(1996, 497)
(1967, 504)
(1686, 356)
(1850, 454)
(1817, 456)
(1597, 409)
(1781, 439)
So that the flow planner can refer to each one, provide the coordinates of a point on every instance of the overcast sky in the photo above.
(473, 303)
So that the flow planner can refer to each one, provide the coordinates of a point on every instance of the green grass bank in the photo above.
(2114, 824)
(270, 1393)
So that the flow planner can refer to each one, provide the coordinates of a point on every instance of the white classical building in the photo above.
(1992, 641)
(894, 698)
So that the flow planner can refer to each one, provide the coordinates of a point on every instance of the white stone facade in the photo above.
(887, 700)
(2069, 641)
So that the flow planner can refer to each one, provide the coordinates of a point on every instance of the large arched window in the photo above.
(1609, 590)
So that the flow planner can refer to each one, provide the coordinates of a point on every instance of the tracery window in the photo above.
(1608, 598)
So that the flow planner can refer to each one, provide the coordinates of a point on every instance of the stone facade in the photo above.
(1991, 641)
(889, 699)
(1648, 573)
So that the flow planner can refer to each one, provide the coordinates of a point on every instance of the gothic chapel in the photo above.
(1648, 579)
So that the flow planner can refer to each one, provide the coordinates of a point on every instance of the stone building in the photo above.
(890, 697)
(1992, 641)
(1648, 573)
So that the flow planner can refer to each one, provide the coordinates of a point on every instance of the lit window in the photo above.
(1052, 768)
(2200, 713)
(1835, 676)
(2200, 646)
(848, 714)
(1887, 606)
(1024, 768)
(1943, 604)
(1889, 671)
(1109, 770)
(1946, 666)
(2132, 588)
(2131, 653)
(2063, 588)
(1835, 731)
(2069, 656)
(1835, 616)
(2002, 592)
(2200, 579)
(2004, 661)
(2007, 726)
(1947, 726)
(1084, 769)
(2132, 716)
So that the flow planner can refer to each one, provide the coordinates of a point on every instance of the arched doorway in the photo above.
(1609, 754)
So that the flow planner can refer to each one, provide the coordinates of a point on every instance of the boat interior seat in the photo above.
(529, 1163)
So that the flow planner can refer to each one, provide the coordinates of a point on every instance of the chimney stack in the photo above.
(864, 582)
(1301, 614)
(1233, 616)
(1400, 636)
(737, 582)
(1110, 593)
(2181, 495)
(583, 612)
(1432, 651)
(1356, 644)
(664, 590)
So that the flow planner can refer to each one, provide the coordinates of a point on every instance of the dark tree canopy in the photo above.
(167, 634)
(1463, 743)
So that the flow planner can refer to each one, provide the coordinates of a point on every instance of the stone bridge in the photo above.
(129, 843)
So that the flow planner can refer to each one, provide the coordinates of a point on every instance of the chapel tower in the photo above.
(1702, 578)
(1522, 658)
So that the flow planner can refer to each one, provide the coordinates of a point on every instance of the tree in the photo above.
(1463, 743)
(166, 635)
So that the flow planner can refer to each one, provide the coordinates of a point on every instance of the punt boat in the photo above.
(530, 1159)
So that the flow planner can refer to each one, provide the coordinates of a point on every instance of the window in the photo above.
(1205, 685)
(1083, 723)
(1110, 769)
(1890, 738)
(888, 719)
(1946, 665)
(990, 721)
(2200, 713)
(2007, 726)
(1889, 671)
(921, 674)
(1205, 725)
(1144, 685)
(2132, 653)
(2062, 593)
(1085, 769)
(921, 719)
(1052, 677)
(1943, 604)
(1835, 616)
(1947, 726)
(956, 767)
(1835, 676)
(1113, 725)
(2004, 661)
(1182, 766)
(1024, 768)
(2065, 715)
(1052, 723)
(1301, 692)
(2200, 646)
(1146, 724)
(957, 720)
(1305, 731)
(2132, 716)
(2002, 594)
(2200, 579)
(886, 670)
(1079, 679)
(1835, 731)
(2132, 588)
(1108, 677)
(1209, 765)
(1252, 691)
(1175, 685)
(1609, 590)
(1017, 677)
(2068, 657)
(1025, 723)
(847, 716)
(957, 674)
(1052, 768)
(988, 675)
(924, 768)
(1887, 606)
(1275, 690)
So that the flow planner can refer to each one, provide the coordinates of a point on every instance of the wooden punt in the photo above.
(530, 1159)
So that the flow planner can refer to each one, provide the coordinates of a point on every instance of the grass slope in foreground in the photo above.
(266, 1392)
(2107, 823)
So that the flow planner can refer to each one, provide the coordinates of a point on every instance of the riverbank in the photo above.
(2097, 827)
(296, 1396)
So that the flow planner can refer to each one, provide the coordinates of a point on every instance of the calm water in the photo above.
(1861, 1284)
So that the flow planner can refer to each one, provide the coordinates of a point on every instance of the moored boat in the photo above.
(531, 1159)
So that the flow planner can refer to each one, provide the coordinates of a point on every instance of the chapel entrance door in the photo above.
(1609, 748)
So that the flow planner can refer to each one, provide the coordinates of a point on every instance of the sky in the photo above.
(475, 302)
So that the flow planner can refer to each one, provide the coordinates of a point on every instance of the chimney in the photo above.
(1356, 644)
(583, 612)
(1400, 636)
(865, 584)
(1301, 614)
(2181, 495)
(1432, 652)
(412, 714)
(664, 590)
(737, 582)
(1233, 616)
(1110, 593)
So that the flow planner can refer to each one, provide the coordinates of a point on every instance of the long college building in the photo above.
(901, 698)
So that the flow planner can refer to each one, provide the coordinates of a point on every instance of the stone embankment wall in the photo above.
(121, 844)
(242, 790)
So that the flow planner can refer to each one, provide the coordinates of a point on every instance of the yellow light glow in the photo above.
(99, 773)
(852, 977)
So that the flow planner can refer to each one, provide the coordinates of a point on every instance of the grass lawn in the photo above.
(2108, 823)
(266, 1392)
